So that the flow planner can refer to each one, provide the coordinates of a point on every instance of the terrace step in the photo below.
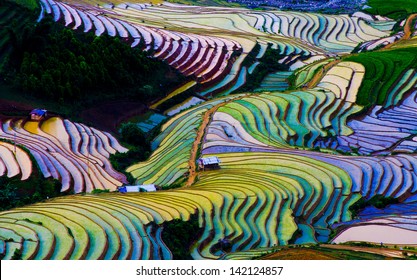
(78, 157)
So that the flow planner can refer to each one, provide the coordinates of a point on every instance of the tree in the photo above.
(133, 135)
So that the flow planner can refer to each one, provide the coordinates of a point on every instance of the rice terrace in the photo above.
(209, 130)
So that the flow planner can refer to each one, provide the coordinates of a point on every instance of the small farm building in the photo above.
(38, 114)
(209, 162)
(138, 188)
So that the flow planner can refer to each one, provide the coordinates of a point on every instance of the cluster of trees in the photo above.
(138, 143)
(17, 193)
(52, 62)
(180, 235)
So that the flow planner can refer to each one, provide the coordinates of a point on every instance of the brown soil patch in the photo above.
(298, 254)
(9, 108)
(107, 116)
(379, 251)
(9, 105)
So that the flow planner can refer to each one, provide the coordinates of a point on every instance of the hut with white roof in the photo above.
(209, 163)
(139, 188)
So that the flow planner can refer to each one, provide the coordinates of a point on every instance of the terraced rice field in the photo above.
(14, 161)
(269, 119)
(86, 227)
(209, 44)
(251, 215)
(387, 233)
(395, 224)
(205, 58)
(382, 131)
(332, 33)
(257, 200)
(74, 153)
(149, 121)
(385, 71)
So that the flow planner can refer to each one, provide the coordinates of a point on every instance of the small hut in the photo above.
(209, 163)
(38, 114)
(139, 188)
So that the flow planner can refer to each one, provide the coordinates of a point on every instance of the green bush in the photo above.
(30, 4)
(98, 191)
(132, 135)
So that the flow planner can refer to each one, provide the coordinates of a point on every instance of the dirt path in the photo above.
(408, 31)
(373, 250)
(408, 27)
(192, 167)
